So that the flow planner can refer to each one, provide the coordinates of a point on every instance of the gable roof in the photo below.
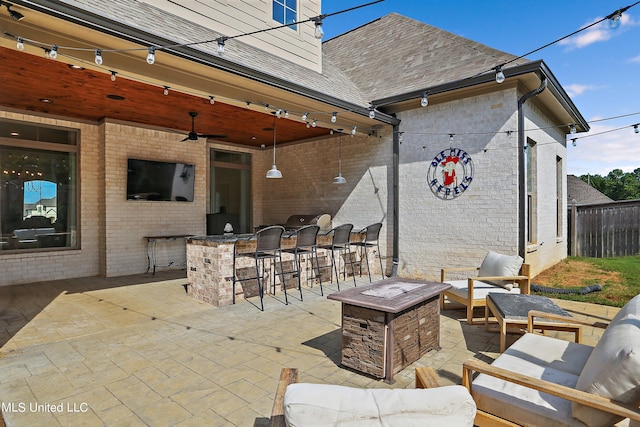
(396, 54)
(581, 193)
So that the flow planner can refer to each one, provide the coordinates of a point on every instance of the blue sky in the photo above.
(599, 68)
(36, 190)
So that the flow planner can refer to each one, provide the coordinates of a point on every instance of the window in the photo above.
(230, 188)
(285, 12)
(38, 187)
(559, 197)
(531, 191)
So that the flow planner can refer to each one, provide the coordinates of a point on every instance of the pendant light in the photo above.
(339, 179)
(274, 172)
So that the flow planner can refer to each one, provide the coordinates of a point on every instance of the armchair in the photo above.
(497, 273)
(544, 381)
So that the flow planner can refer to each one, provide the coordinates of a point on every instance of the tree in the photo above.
(617, 185)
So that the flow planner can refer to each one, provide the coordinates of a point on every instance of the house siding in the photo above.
(233, 18)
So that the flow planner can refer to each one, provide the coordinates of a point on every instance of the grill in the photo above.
(295, 222)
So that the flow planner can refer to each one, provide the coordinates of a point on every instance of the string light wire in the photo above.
(48, 48)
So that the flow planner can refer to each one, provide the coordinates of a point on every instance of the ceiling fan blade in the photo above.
(183, 140)
(205, 135)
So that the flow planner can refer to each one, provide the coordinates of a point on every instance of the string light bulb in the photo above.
(151, 56)
(286, 114)
(572, 129)
(315, 123)
(573, 141)
(53, 53)
(614, 21)
(304, 117)
(113, 76)
(353, 131)
(318, 33)
(372, 112)
(424, 101)
(635, 128)
(499, 75)
(20, 43)
(212, 100)
(220, 45)
(98, 59)
(166, 90)
(334, 117)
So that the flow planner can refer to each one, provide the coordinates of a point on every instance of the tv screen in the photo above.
(160, 181)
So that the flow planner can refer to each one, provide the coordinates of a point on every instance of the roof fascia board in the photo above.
(538, 67)
(95, 22)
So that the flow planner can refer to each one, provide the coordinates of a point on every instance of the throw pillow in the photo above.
(495, 264)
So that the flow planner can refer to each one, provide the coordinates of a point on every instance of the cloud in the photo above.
(635, 59)
(618, 149)
(575, 89)
(597, 33)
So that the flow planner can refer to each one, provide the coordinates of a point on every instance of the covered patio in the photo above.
(137, 350)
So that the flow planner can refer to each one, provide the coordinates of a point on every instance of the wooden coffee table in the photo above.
(389, 324)
(513, 310)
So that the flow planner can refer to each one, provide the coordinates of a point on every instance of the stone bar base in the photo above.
(210, 268)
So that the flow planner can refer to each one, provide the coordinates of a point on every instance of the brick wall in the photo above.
(126, 221)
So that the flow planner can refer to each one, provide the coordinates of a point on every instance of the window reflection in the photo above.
(38, 196)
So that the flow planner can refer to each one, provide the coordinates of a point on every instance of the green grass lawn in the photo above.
(619, 278)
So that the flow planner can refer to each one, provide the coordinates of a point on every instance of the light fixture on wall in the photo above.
(339, 179)
(274, 172)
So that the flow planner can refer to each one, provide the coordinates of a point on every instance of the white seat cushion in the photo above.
(538, 356)
(480, 289)
(613, 370)
(309, 405)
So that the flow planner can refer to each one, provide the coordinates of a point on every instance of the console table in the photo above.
(151, 249)
(389, 324)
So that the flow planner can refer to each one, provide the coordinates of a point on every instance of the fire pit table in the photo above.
(389, 324)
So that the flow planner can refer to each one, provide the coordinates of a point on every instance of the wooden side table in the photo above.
(513, 309)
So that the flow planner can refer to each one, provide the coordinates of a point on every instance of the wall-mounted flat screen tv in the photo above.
(161, 181)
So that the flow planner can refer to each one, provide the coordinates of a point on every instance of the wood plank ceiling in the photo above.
(42, 85)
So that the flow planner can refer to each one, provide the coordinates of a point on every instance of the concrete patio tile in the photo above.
(133, 393)
(139, 351)
(163, 413)
(196, 396)
(50, 386)
(204, 417)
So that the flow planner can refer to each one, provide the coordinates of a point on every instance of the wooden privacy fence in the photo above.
(605, 230)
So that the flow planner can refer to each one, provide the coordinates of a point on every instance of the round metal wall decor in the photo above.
(450, 173)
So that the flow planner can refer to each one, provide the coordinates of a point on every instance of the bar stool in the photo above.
(268, 242)
(305, 244)
(340, 242)
(371, 236)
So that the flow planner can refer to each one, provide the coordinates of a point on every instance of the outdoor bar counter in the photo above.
(210, 264)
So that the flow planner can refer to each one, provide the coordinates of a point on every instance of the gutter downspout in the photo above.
(396, 202)
(522, 199)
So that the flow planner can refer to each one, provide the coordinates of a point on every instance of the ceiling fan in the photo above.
(193, 135)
